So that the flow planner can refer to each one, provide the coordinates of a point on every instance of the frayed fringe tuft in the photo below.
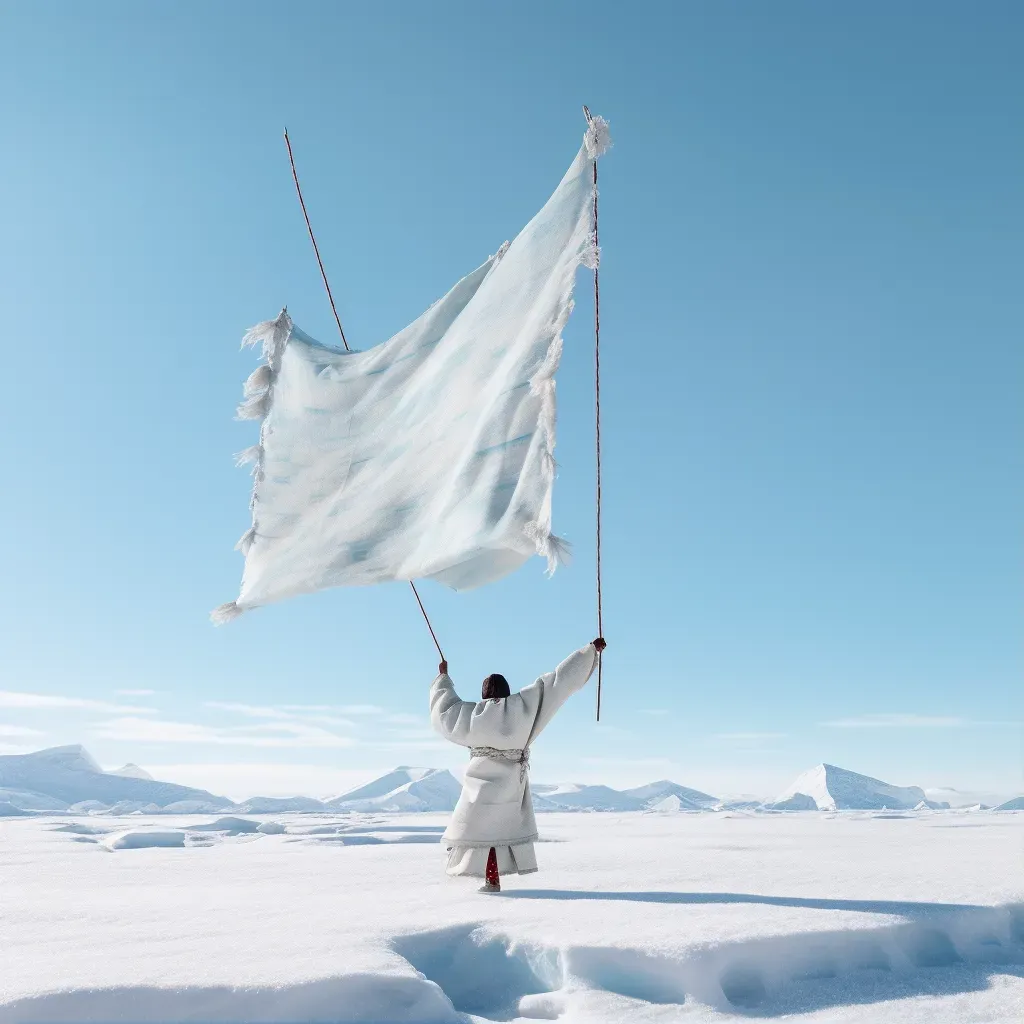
(225, 613)
(250, 454)
(274, 335)
(598, 138)
(557, 550)
(245, 541)
(502, 249)
(254, 408)
(258, 381)
(546, 371)
(591, 256)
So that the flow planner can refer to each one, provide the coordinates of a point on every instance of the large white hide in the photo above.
(431, 455)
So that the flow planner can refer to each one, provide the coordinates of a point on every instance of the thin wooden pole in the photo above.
(433, 635)
(312, 238)
(341, 331)
(597, 425)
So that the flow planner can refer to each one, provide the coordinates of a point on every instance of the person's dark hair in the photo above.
(495, 687)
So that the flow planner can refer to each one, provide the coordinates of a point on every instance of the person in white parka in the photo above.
(493, 828)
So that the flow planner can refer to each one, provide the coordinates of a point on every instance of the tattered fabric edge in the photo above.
(548, 545)
(275, 334)
(598, 137)
(557, 550)
(597, 140)
(258, 392)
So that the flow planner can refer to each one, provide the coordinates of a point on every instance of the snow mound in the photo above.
(1016, 804)
(133, 807)
(142, 839)
(672, 804)
(133, 771)
(88, 806)
(962, 798)
(740, 804)
(831, 788)
(279, 805)
(271, 828)
(189, 807)
(423, 789)
(231, 826)
(655, 792)
(796, 802)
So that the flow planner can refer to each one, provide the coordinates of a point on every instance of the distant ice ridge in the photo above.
(68, 779)
(655, 794)
(1016, 804)
(62, 778)
(404, 789)
(279, 805)
(828, 788)
(963, 798)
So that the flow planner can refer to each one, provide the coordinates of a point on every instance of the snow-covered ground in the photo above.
(850, 917)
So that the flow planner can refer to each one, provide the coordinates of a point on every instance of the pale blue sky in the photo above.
(812, 224)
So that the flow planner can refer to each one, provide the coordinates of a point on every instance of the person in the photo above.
(493, 828)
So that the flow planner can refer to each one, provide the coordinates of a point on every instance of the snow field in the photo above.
(694, 917)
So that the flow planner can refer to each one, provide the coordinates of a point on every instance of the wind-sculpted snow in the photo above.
(346, 916)
(144, 839)
(494, 976)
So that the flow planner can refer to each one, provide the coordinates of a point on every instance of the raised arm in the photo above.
(573, 673)
(449, 715)
(570, 676)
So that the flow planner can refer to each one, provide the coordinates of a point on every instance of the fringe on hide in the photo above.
(225, 613)
(542, 385)
(247, 455)
(557, 550)
(598, 138)
(273, 335)
(254, 408)
(245, 541)
(546, 371)
(258, 392)
(257, 382)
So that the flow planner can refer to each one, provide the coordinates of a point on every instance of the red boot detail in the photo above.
(492, 883)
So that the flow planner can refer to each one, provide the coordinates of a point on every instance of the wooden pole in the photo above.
(597, 425)
(341, 331)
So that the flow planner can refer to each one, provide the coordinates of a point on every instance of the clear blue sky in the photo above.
(812, 314)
